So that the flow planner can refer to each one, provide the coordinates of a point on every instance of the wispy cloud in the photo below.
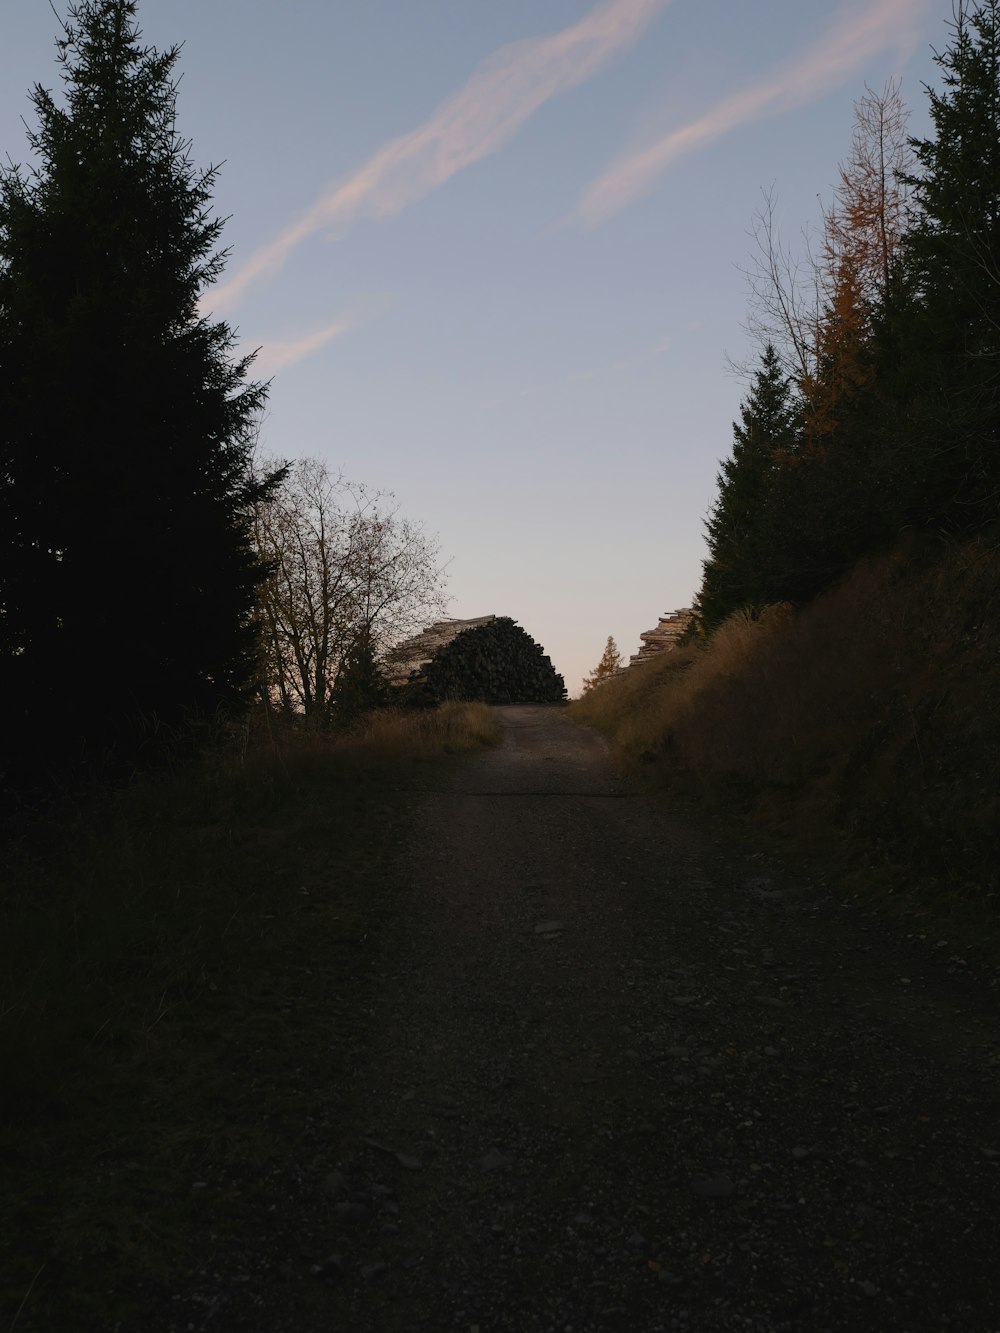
(278, 354)
(501, 94)
(857, 32)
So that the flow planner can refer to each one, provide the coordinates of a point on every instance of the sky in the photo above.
(493, 255)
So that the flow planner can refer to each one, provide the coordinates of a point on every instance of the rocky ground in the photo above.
(614, 1074)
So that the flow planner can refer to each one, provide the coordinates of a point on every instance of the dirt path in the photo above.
(623, 1079)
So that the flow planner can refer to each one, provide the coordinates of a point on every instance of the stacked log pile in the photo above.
(494, 663)
(409, 657)
(668, 633)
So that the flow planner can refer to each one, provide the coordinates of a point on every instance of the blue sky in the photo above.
(492, 253)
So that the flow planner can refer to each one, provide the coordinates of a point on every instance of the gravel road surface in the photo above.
(624, 1077)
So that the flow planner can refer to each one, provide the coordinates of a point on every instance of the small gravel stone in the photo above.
(335, 1184)
(495, 1161)
(330, 1267)
(717, 1186)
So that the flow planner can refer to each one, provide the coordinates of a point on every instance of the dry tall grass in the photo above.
(451, 729)
(869, 721)
(117, 912)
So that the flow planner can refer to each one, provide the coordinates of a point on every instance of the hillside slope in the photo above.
(866, 724)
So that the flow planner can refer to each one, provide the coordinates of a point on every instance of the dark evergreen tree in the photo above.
(360, 685)
(899, 426)
(945, 380)
(744, 557)
(127, 574)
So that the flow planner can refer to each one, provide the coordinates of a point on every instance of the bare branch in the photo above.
(344, 565)
(784, 308)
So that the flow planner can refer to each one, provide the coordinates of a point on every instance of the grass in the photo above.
(184, 970)
(864, 728)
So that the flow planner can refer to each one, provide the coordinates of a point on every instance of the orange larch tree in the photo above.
(862, 232)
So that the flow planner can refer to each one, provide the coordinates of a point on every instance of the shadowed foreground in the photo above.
(619, 1078)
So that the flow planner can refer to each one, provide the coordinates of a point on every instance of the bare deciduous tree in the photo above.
(344, 567)
(785, 294)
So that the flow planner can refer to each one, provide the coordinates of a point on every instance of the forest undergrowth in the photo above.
(863, 729)
(159, 943)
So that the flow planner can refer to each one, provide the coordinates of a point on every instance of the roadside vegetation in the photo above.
(843, 679)
(157, 570)
(121, 908)
(863, 728)
(184, 968)
(610, 663)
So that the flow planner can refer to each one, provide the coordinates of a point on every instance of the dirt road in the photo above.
(623, 1078)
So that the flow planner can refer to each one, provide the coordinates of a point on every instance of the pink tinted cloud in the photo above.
(856, 33)
(279, 354)
(499, 97)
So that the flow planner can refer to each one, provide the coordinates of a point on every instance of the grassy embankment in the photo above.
(864, 729)
(185, 966)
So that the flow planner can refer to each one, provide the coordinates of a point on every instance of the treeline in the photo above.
(151, 575)
(875, 406)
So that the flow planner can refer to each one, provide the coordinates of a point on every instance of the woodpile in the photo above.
(492, 662)
(672, 626)
(409, 657)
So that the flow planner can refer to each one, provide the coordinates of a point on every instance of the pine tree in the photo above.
(607, 667)
(126, 419)
(360, 685)
(741, 542)
(948, 394)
